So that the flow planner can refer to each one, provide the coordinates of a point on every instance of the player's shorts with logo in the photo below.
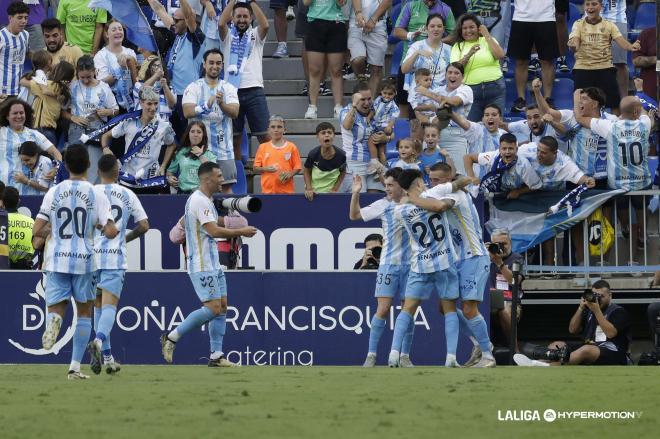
(209, 285)
(421, 285)
(391, 279)
(472, 277)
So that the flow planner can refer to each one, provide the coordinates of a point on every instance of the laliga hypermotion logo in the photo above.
(34, 317)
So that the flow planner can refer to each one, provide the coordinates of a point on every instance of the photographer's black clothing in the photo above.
(372, 264)
(612, 350)
(496, 280)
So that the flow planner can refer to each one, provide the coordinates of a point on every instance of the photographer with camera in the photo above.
(500, 278)
(373, 245)
(605, 329)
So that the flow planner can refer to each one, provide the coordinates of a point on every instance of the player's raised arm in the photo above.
(354, 212)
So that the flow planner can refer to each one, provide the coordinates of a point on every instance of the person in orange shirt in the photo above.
(278, 160)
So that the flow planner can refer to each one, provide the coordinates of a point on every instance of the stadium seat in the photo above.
(653, 166)
(240, 187)
(562, 93)
(299, 184)
(511, 93)
(256, 184)
(395, 61)
(645, 16)
(401, 130)
(245, 146)
(574, 14)
(396, 10)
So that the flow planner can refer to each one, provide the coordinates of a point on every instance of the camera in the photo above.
(495, 248)
(590, 296)
(245, 204)
(376, 251)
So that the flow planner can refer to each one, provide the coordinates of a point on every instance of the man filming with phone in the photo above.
(605, 329)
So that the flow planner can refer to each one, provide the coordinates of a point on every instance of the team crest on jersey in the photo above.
(287, 156)
(456, 237)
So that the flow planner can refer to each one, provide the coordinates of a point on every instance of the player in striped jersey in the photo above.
(110, 257)
(215, 102)
(433, 256)
(68, 217)
(13, 49)
(472, 268)
(208, 279)
(394, 260)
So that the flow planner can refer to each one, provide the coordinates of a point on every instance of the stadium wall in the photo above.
(275, 318)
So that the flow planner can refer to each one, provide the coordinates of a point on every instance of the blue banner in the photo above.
(294, 234)
(274, 318)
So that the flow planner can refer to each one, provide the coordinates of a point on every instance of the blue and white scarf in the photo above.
(570, 201)
(492, 181)
(239, 52)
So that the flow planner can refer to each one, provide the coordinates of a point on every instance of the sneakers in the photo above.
(312, 112)
(95, 362)
(347, 72)
(221, 362)
(337, 110)
(393, 359)
(523, 360)
(370, 361)
(324, 90)
(404, 361)
(282, 51)
(305, 89)
(76, 375)
(519, 105)
(534, 65)
(49, 337)
(290, 15)
(111, 367)
(452, 363)
(475, 356)
(167, 348)
(561, 66)
(485, 362)
(505, 65)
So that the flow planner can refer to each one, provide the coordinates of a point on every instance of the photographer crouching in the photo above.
(605, 328)
(500, 279)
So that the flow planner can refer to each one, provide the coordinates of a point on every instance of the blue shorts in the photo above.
(472, 276)
(61, 286)
(391, 279)
(209, 285)
(110, 280)
(445, 282)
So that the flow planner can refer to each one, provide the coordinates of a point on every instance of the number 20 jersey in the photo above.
(432, 248)
(73, 208)
(110, 254)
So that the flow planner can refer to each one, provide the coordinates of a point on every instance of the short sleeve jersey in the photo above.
(396, 241)
(202, 248)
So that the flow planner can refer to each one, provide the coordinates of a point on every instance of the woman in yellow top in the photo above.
(480, 53)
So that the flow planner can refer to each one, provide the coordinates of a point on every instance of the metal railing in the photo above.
(634, 251)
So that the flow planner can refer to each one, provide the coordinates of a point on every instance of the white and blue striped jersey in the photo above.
(10, 141)
(481, 140)
(396, 242)
(110, 254)
(515, 177)
(554, 176)
(218, 124)
(398, 163)
(86, 100)
(355, 140)
(43, 166)
(587, 149)
(201, 247)
(13, 49)
(437, 64)
(463, 220)
(73, 208)
(417, 100)
(614, 10)
(627, 150)
(384, 112)
(432, 248)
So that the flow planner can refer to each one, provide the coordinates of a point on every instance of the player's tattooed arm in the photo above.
(430, 204)
(140, 229)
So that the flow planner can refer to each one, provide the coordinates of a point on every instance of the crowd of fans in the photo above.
(164, 113)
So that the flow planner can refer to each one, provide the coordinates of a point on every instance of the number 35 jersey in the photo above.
(73, 208)
(110, 254)
(430, 240)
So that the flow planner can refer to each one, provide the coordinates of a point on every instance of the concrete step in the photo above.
(294, 107)
(295, 48)
(291, 68)
(304, 142)
(298, 184)
(308, 126)
(288, 87)
(290, 31)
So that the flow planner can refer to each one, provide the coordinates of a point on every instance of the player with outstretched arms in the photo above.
(111, 261)
(69, 214)
(204, 269)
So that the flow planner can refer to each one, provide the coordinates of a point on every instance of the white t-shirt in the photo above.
(252, 74)
(43, 166)
(106, 65)
(145, 162)
(467, 96)
(218, 124)
(368, 10)
(554, 176)
(534, 10)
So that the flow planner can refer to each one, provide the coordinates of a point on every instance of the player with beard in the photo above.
(214, 102)
(59, 49)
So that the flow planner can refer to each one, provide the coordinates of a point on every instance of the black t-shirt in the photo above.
(618, 317)
(315, 159)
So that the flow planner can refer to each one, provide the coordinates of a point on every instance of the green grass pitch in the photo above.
(37, 401)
